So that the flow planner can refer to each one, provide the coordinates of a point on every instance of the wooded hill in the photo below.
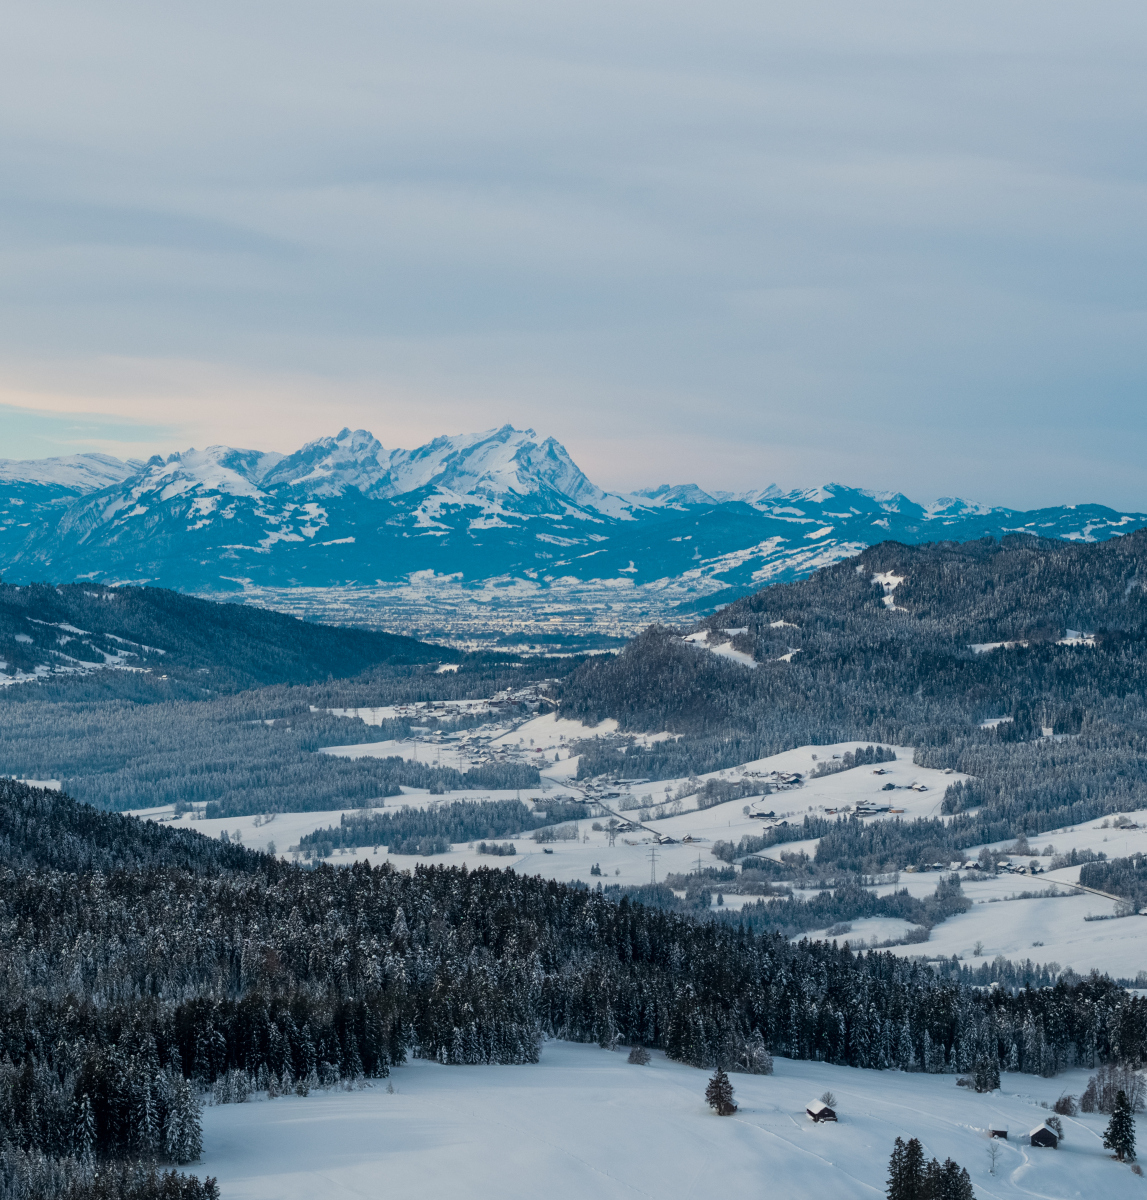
(188, 728)
(840, 657)
(125, 990)
(198, 647)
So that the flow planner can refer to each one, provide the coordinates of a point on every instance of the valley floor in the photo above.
(585, 1123)
(1039, 928)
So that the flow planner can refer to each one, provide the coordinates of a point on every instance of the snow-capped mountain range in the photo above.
(477, 509)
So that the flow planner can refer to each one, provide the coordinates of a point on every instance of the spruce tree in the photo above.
(906, 1171)
(719, 1093)
(84, 1129)
(987, 1074)
(1120, 1135)
(947, 1182)
(182, 1131)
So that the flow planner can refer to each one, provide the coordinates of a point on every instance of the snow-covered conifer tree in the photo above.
(719, 1094)
(1120, 1135)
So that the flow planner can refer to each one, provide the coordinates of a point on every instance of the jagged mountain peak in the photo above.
(330, 465)
(500, 503)
(499, 463)
(485, 466)
(223, 469)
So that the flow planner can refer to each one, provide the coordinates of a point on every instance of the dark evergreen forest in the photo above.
(1126, 877)
(142, 965)
(433, 830)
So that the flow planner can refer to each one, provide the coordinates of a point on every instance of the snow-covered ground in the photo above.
(435, 755)
(1043, 929)
(584, 1123)
(867, 931)
(1047, 929)
(628, 861)
(538, 741)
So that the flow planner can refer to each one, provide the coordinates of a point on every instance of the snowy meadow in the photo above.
(584, 1122)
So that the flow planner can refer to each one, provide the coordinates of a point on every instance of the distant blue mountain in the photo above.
(497, 505)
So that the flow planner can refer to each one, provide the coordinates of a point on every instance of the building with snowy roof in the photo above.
(1043, 1135)
(819, 1111)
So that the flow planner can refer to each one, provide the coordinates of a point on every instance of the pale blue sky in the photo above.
(896, 245)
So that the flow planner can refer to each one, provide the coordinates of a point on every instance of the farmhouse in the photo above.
(1041, 1135)
(819, 1111)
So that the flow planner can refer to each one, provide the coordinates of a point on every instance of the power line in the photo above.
(652, 864)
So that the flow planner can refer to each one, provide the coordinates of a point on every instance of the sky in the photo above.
(895, 245)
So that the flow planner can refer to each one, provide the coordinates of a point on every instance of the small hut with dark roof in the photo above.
(819, 1111)
(1042, 1135)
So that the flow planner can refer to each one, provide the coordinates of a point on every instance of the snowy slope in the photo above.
(75, 472)
(584, 1123)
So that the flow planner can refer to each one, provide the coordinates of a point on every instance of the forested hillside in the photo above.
(190, 647)
(250, 753)
(1022, 663)
(126, 739)
(124, 992)
(42, 828)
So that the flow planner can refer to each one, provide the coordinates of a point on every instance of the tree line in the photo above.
(440, 825)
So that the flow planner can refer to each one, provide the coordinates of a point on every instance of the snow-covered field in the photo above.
(1043, 929)
(411, 750)
(584, 1123)
(628, 860)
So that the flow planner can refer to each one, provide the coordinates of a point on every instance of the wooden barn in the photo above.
(1041, 1135)
(819, 1111)
(1000, 1131)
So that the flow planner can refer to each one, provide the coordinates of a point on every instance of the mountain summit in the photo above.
(493, 507)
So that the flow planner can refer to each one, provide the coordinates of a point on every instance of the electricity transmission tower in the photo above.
(652, 864)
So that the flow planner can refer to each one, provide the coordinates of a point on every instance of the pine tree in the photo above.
(987, 1074)
(905, 1050)
(182, 1131)
(906, 1171)
(947, 1182)
(1120, 1135)
(142, 1116)
(352, 1060)
(84, 1129)
(719, 1093)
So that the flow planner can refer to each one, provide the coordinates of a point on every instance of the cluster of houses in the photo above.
(1032, 868)
(959, 865)
(1042, 1135)
(778, 779)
